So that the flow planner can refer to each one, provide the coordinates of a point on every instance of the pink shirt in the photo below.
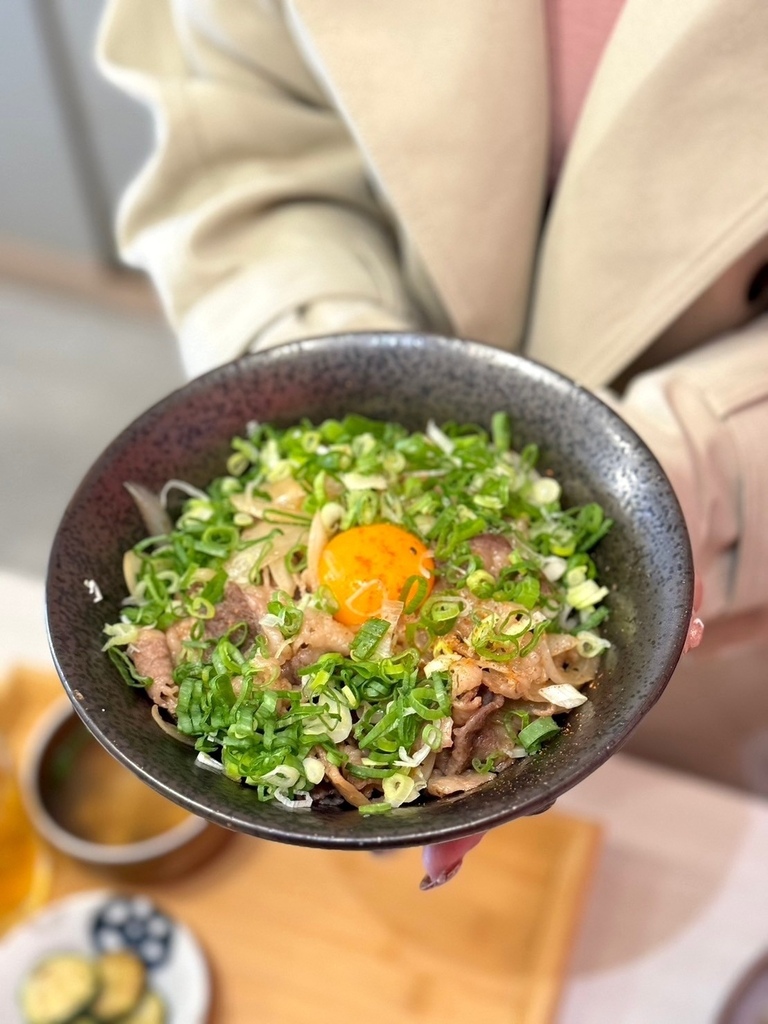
(578, 31)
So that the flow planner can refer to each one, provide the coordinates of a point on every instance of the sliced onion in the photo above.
(300, 804)
(563, 695)
(413, 760)
(390, 612)
(554, 568)
(589, 645)
(437, 437)
(209, 763)
(131, 566)
(422, 773)
(319, 535)
(333, 720)
(285, 495)
(181, 485)
(152, 511)
(282, 777)
(441, 663)
(553, 672)
(240, 564)
(361, 482)
(399, 789)
(544, 491)
(170, 728)
(313, 769)
(364, 588)
(122, 634)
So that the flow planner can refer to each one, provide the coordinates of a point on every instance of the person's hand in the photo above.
(695, 626)
(443, 861)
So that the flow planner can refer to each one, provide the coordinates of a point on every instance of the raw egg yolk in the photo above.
(369, 564)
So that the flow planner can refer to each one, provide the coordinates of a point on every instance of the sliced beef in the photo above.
(519, 678)
(175, 636)
(233, 609)
(493, 739)
(320, 634)
(445, 785)
(465, 706)
(464, 737)
(466, 675)
(326, 798)
(258, 598)
(152, 658)
(342, 786)
(493, 550)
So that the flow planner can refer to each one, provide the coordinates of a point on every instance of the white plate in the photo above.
(93, 922)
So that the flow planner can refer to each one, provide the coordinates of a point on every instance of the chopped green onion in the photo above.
(445, 485)
(585, 595)
(589, 645)
(501, 432)
(412, 602)
(481, 583)
(200, 608)
(398, 789)
(544, 491)
(313, 769)
(539, 730)
(283, 613)
(440, 614)
(377, 808)
(368, 637)
(127, 669)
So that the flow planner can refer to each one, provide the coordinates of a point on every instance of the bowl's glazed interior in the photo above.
(645, 560)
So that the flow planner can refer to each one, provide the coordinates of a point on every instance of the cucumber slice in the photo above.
(123, 980)
(58, 988)
(151, 1010)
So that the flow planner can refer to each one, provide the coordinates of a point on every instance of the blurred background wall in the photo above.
(70, 141)
(83, 346)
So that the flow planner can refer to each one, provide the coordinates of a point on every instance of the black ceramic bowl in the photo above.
(645, 560)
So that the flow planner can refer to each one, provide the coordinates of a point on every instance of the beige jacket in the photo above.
(324, 165)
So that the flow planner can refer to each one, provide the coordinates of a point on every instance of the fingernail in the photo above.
(428, 883)
(695, 635)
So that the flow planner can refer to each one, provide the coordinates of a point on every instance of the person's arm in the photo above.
(253, 215)
(705, 417)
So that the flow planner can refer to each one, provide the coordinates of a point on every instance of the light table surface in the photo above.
(677, 906)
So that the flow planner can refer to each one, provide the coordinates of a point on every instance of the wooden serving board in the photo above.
(294, 934)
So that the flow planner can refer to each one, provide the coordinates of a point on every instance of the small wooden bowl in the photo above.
(92, 808)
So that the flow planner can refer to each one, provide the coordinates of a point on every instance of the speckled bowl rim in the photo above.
(109, 855)
(470, 815)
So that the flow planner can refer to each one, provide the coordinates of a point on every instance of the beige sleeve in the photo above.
(253, 215)
(705, 417)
